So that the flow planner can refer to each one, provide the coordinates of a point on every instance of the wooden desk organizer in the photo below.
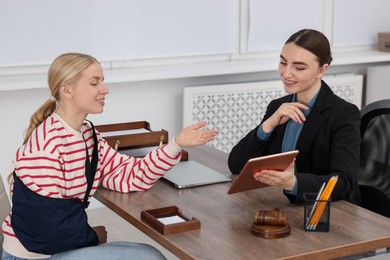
(120, 136)
(151, 217)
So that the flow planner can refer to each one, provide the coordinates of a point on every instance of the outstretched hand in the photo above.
(193, 135)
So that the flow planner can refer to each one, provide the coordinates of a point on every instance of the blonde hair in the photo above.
(65, 69)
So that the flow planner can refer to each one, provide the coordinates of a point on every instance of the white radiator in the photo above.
(235, 109)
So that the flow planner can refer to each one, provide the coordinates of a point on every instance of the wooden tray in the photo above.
(152, 218)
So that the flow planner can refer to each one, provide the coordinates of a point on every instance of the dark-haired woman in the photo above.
(311, 119)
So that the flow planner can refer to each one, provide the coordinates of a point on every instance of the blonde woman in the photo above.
(62, 162)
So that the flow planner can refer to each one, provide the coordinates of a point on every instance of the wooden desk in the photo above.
(226, 220)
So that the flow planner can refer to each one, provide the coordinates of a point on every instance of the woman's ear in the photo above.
(323, 69)
(65, 91)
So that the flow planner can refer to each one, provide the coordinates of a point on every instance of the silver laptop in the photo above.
(190, 174)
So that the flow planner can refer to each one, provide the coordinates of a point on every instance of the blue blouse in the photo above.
(291, 135)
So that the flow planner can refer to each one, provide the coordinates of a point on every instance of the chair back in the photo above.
(374, 173)
(5, 208)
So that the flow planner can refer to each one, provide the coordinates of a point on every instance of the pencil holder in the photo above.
(316, 213)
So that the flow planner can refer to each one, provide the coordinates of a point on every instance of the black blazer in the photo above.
(329, 144)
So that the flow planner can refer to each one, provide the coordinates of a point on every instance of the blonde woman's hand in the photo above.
(193, 135)
(285, 112)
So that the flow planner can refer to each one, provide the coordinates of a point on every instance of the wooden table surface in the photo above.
(226, 220)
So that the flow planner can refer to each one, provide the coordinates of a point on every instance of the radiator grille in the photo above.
(235, 109)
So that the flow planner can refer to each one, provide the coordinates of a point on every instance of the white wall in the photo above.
(378, 78)
(133, 30)
(116, 29)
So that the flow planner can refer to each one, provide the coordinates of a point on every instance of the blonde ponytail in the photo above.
(39, 116)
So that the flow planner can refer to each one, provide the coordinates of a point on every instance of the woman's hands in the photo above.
(285, 112)
(283, 179)
(193, 135)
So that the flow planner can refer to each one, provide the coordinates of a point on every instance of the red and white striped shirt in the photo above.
(52, 164)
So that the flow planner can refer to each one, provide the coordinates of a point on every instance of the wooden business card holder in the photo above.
(152, 218)
(270, 224)
(134, 135)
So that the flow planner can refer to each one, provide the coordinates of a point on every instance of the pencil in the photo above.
(315, 217)
(322, 203)
(314, 206)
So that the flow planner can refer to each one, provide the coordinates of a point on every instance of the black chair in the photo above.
(374, 173)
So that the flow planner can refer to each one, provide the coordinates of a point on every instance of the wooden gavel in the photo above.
(274, 217)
